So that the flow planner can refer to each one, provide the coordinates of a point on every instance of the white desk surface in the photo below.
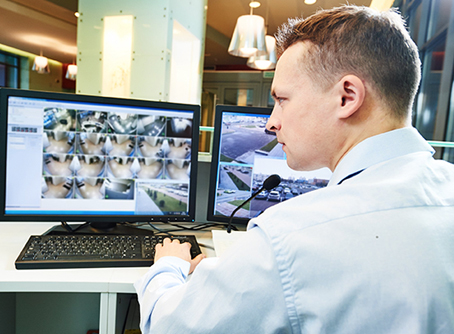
(13, 237)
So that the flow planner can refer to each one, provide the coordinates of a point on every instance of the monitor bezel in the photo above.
(5, 93)
(215, 154)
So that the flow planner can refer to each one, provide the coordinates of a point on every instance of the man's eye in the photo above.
(278, 100)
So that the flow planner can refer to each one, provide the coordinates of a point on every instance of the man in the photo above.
(373, 252)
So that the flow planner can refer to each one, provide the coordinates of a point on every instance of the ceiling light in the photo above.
(71, 72)
(248, 37)
(254, 4)
(267, 61)
(310, 2)
(41, 65)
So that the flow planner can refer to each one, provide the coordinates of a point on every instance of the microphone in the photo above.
(271, 182)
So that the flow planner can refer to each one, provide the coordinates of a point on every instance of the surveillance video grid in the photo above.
(90, 154)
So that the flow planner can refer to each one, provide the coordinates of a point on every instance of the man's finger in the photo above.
(195, 262)
(167, 241)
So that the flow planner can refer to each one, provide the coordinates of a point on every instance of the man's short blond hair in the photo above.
(375, 46)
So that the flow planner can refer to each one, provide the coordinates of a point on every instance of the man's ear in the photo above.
(351, 93)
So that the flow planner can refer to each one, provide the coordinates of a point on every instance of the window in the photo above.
(439, 16)
(449, 152)
(430, 87)
(9, 70)
(414, 21)
(431, 25)
(239, 96)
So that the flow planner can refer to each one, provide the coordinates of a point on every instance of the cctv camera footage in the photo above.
(139, 161)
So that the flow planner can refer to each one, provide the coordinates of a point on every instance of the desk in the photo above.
(104, 284)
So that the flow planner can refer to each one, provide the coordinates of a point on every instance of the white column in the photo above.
(163, 65)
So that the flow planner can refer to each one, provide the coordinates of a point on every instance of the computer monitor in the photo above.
(244, 154)
(78, 158)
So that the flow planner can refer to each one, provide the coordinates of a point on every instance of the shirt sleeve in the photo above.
(241, 292)
(166, 274)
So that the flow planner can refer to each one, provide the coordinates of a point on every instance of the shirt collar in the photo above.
(380, 148)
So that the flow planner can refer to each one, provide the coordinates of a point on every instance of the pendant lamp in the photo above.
(248, 37)
(41, 65)
(71, 72)
(267, 61)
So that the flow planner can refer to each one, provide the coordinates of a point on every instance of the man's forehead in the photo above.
(298, 47)
(289, 64)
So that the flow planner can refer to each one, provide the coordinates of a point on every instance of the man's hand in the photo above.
(174, 248)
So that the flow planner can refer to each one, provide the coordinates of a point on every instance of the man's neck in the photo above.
(372, 126)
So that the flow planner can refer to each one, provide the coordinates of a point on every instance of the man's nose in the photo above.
(273, 123)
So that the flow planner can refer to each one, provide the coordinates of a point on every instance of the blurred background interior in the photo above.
(190, 51)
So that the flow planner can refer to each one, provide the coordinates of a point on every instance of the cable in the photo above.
(208, 226)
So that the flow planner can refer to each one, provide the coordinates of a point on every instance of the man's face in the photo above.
(303, 116)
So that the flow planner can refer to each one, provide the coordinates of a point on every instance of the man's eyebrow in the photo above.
(273, 94)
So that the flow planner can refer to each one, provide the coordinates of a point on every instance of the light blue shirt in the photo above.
(372, 255)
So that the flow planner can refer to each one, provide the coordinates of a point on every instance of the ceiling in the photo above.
(50, 27)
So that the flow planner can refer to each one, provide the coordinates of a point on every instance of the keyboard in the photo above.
(94, 251)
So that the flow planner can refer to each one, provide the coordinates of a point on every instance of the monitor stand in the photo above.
(93, 228)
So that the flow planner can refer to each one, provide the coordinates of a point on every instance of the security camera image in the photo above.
(179, 148)
(122, 167)
(57, 187)
(89, 165)
(123, 145)
(177, 169)
(58, 119)
(234, 186)
(89, 188)
(234, 177)
(150, 147)
(162, 198)
(119, 189)
(141, 161)
(292, 183)
(90, 143)
(58, 142)
(91, 121)
(57, 164)
(179, 127)
(150, 168)
(122, 123)
(255, 139)
(78, 157)
(150, 125)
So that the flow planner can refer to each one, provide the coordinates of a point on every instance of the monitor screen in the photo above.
(71, 157)
(244, 154)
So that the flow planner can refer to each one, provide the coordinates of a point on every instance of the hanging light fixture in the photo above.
(249, 35)
(41, 64)
(71, 72)
(267, 61)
